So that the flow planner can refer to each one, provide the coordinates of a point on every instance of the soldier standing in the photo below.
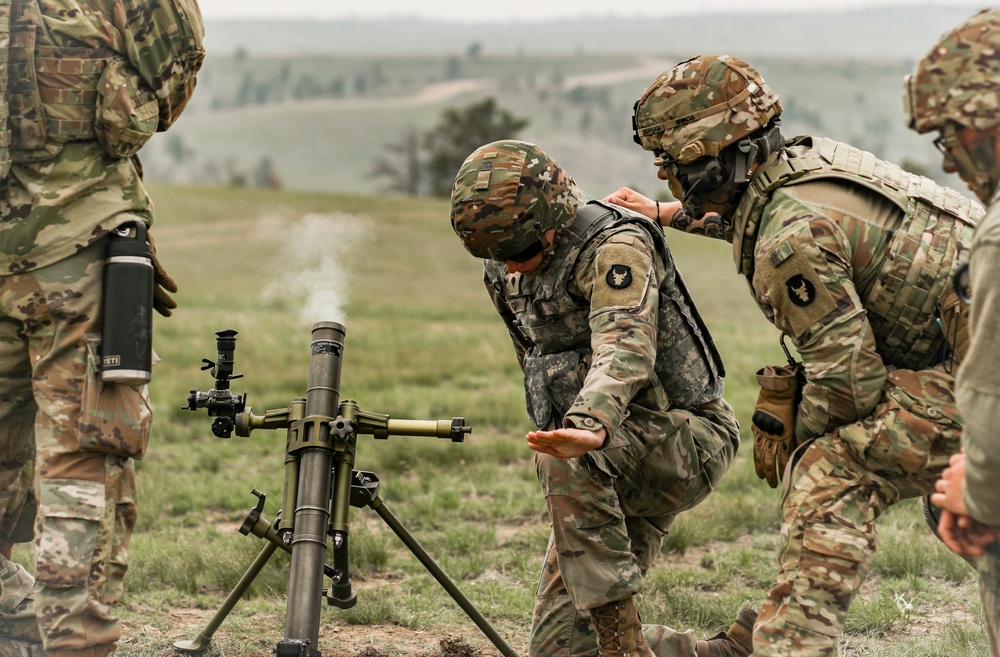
(850, 257)
(623, 382)
(84, 85)
(955, 91)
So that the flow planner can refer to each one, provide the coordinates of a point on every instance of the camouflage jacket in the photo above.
(606, 331)
(978, 387)
(849, 259)
(88, 82)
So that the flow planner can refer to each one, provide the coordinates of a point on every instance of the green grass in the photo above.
(423, 342)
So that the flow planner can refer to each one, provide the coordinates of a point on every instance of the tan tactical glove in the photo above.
(163, 284)
(773, 420)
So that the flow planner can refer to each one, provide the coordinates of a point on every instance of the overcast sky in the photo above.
(525, 10)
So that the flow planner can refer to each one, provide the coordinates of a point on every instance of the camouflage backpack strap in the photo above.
(780, 169)
(5, 10)
(688, 363)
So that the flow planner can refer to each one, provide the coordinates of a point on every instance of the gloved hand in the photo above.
(163, 284)
(773, 420)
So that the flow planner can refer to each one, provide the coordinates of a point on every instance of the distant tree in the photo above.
(306, 87)
(474, 50)
(453, 68)
(458, 132)
(177, 149)
(400, 164)
(266, 176)
(245, 92)
(360, 83)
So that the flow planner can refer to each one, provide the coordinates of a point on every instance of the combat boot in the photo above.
(619, 630)
(737, 642)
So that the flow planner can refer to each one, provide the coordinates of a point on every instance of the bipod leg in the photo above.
(200, 643)
(456, 594)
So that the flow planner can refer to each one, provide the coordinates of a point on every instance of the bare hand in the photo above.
(960, 532)
(964, 535)
(951, 487)
(632, 200)
(566, 443)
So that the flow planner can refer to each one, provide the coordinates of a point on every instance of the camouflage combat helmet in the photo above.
(507, 194)
(701, 106)
(959, 78)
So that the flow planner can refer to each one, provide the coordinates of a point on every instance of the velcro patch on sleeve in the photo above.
(795, 288)
(622, 276)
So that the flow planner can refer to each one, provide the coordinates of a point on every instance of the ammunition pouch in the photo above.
(53, 94)
(773, 420)
(954, 315)
(126, 112)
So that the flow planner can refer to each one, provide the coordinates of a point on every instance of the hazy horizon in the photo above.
(531, 11)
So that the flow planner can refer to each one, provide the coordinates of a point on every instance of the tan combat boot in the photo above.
(619, 630)
(737, 642)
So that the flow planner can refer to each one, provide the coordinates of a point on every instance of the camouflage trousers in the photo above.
(839, 485)
(67, 441)
(610, 510)
(988, 567)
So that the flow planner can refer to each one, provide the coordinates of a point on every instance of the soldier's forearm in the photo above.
(709, 225)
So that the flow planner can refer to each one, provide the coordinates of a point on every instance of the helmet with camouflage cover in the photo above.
(701, 106)
(507, 195)
(957, 84)
(959, 78)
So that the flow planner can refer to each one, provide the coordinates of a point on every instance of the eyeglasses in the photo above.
(942, 145)
(947, 141)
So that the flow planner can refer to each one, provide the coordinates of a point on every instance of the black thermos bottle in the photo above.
(127, 324)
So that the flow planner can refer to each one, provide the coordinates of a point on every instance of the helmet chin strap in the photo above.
(981, 176)
(747, 152)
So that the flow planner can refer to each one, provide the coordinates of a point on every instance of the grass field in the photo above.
(422, 342)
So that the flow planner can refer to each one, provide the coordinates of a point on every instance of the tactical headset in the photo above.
(710, 174)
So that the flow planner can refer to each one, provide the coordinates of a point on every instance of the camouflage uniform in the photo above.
(85, 86)
(978, 398)
(608, 338)
(831, 265)
(849, 256)
(958, 84)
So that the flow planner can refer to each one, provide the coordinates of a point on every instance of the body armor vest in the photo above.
(55, 94)
(688, 366)
(932, 239)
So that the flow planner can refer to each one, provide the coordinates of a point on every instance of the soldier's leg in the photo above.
(17, 463)
(988, 567)
(590, 562)
(603, 552)
(86, 434)
(558, 628)
(828, 523)
(836, 490)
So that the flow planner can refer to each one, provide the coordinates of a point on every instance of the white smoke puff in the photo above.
(312, 265)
